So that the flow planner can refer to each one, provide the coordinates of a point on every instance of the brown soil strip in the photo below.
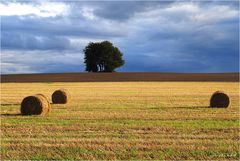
(121, 77)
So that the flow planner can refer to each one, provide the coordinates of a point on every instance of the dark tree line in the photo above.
(102, 57)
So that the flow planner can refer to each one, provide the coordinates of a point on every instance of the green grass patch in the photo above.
(39, 157)
(114, 123)
(37, 120)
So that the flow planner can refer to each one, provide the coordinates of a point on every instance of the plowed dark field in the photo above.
(121, 77)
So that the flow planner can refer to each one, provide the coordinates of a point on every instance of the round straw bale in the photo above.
(60, 96)
(46, 99)
(35, 105)
(42, 95)
(219, 99)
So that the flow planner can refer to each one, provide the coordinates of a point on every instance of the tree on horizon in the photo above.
(102, 57)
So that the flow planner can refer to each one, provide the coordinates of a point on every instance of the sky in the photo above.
(156, 36)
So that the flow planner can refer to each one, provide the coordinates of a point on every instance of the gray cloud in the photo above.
(39, 61)
(57, 26)
(30, 42)
(121, 11)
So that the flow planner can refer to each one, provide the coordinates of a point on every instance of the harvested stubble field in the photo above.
(116, 120)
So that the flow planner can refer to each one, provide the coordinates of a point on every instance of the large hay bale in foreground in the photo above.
(60, 96)
(219, 99)
(35, 105)
(46, 99)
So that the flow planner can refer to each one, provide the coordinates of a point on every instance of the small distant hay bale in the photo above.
(219, 99)
(60, 96)
(35, 105)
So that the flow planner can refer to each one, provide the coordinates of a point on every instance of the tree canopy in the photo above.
(102, 57)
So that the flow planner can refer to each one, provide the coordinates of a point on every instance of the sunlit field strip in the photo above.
(131, 120)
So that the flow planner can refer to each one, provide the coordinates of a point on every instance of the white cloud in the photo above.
(184, 13)
(214, 14)
(80, 43)
(183, 7)
(42, 9)
(88, 13)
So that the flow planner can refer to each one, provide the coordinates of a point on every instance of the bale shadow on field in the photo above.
(190, 107)
(11, 114)
(9, 104)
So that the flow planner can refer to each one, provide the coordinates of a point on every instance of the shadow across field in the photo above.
(11, 114)
(9, 104)
(190, 107)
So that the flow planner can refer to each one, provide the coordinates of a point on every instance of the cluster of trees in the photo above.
(102, 57)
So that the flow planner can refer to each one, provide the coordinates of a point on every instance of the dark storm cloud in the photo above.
(56, 26)
(47, 33)
(120, 11)
(197, 48)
